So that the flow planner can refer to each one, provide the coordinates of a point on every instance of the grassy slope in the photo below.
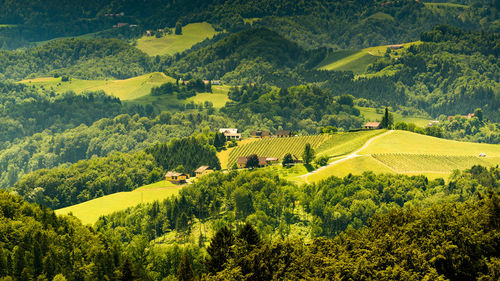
(224, 154)
(124, 89)
(344, 143)
(370, 114)
(412, 154)
(170, 44)
(88, 212)
(218, 97)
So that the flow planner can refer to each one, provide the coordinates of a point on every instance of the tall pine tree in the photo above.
(219, 250)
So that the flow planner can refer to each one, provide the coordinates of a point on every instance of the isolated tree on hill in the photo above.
(308, 155)
(287, 159)
(387, 120)
(253, 161)
(178, 28)
(220, 250)
(185, 271)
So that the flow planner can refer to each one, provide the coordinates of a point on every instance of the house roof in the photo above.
(261, 133)
(174, 174)
(282, 132)
(242, 160)
(228, 130)
(202, 169)
(372, 124)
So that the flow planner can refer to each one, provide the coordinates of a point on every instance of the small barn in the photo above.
(203, 170)
(175, 177)
(372, 125)
(263, 161)
(261, 134)
(283, 134)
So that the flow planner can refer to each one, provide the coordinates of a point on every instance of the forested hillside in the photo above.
(80, 58)
(35, 244)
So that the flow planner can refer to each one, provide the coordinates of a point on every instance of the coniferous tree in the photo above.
(219, 250)
(253, 161)
(287, 159)
(249, 236)
(308, 155)
(387, 120)
(178, 28)
(185, 271)
(126, 272)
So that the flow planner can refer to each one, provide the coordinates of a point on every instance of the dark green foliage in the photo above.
(88, 179)
(287, 160)
(126, 272)
(220, 250)
(38, 245)
(301, 108)
(78, 58)
(387, 120)
(249, 236)
(454, 241)
(178, 28)
(191, 153)
(252, 161)
(219, 140)
(308, 154)
(185, 272)
(182, 91)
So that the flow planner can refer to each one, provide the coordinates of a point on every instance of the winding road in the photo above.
(347, 157)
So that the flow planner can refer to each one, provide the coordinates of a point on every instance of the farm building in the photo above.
(263, 161)
(283, 134)
(216, 82)
(468, 116)
(177, 178)
(261, 134)
(230, 133)
(372, 125)
(203, 170)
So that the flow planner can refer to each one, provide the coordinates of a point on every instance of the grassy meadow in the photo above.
(88, 212)
(126, 89)
(371, 114)
(171, 44)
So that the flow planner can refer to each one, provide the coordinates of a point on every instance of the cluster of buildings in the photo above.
(181, 178)
(233, 134)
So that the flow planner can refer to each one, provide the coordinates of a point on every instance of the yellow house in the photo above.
(175, 177)
(203, 170)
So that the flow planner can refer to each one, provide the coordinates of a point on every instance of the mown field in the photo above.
(371, 114)
(171, 44)
(412, 154)
(276, 147)
(88, 212)
(126, 89)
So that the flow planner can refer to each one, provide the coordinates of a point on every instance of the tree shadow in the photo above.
(309, 167)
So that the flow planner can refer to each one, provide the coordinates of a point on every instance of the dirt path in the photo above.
(347, 157)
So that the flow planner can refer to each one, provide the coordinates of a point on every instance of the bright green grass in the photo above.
(124, 89)
(355, 166)
(441, 5)
(276, 147)
(88, 212)
(416, 163)
(292, 173)
(356, 62)
(218, 97)
(370, 114)
(171, 44)
(344, 143)
(412, 143)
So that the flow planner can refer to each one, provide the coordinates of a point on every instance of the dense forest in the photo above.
(336, 208)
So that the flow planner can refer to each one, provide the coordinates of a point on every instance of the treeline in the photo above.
(333, 208)
(81, 58)
(452, 72)
(182, 91)
(123, 133)
(302, 108)
(88, 179)
(456, 241)
(35, 244)
(185, 155)
(26, 110)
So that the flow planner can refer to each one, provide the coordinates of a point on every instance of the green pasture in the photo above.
(371, 114)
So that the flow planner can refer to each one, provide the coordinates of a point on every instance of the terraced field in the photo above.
(417, 163)
(276, 147)
(88, 212)
(411, 154)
